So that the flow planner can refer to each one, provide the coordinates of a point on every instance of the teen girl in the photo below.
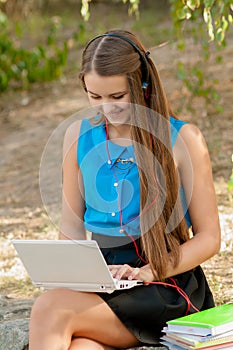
(140, 181)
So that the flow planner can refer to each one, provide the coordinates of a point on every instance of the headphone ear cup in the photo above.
(146, 90)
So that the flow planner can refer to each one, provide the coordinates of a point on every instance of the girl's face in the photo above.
(110, 94)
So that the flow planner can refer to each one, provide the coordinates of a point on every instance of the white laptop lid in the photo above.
(78, 265)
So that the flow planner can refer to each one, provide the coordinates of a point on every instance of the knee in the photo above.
(46, 305)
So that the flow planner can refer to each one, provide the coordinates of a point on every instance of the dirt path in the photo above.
(27, 120)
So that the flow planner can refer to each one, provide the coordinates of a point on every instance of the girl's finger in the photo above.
(134, 274)
(123, 271)
(118, 271)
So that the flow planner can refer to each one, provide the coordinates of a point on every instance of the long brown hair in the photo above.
(163, 230)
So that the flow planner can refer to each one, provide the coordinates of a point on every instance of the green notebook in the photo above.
(213, 321)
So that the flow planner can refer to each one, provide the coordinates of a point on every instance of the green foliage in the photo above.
(204, 21)
(195, 81)
(133, 8)
(23, 67)
(216, 15)
(85, 10)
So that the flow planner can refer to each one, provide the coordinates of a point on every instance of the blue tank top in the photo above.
(103, 187)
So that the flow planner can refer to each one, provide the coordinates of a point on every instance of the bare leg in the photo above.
(60, 314)
(88, 344)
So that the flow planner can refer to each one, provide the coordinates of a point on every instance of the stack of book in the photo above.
(208, 329)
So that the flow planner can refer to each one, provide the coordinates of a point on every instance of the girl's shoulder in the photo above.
(71, 136)
(73, 130)
(190, 144)
(191, 133)
(176, 125)
(185, 130)
(190, 129)
(78, 128)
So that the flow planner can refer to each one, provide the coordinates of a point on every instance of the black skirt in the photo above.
(144, 310)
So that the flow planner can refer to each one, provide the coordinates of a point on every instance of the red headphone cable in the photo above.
(174, 285)
(179, 290)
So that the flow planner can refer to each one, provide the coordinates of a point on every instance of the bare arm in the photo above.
(73, 204)
(194, 166)
(198, 185)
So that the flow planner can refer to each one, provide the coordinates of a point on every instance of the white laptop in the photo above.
(78, 265)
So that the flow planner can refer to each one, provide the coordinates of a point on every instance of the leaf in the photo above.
(3, 81)
(208, 19)
(180, 14)
(219, 108)
(220, 35)
(134, 8)
(211, 32)
(183, 13)
(193, 4)
(3, 19)
(181, 73)
(208, 3)
(215, 96)
(230, 183)
(224, 24)
(181, 45)
(219, 59)
(206, 15)
(85, 10)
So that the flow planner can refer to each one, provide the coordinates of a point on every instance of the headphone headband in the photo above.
(143, 57)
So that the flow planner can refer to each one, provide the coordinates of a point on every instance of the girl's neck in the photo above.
(120, 134)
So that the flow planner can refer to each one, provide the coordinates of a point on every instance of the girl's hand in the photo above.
(132, 273)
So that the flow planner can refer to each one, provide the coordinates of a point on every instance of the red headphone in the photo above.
(143, 59)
